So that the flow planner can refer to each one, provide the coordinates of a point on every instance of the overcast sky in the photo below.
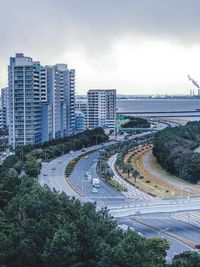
(135, 46)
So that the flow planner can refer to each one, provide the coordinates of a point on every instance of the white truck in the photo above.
(96, 182)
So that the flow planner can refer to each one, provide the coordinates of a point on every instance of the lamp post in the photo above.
(82, 184)
(181, 191)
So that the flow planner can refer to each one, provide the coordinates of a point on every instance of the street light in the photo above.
(162, 230)
(82, 184)
(181, 191)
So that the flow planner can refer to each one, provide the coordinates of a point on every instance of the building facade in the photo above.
(41, 101)
(82, 105)
(80, 125)
(102, 108)
(58, 100)
(24, 101)
(4, 108)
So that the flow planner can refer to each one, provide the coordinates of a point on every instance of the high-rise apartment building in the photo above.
(24, 101)
(57, 97)
(102, 108)
(41, 101)
(3, 108)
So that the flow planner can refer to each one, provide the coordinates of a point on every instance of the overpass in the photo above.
(163, 206)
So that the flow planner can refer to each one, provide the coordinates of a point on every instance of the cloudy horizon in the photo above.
(135, 46)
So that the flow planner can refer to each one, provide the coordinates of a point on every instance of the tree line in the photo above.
(174, 150)
(135, 122)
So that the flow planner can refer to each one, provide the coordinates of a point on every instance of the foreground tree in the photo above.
(186, 259)
(174, 150)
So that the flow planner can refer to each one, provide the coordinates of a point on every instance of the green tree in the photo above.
(31, 167)
(186, 259)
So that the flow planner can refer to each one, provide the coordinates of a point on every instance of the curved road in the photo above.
(80, 180)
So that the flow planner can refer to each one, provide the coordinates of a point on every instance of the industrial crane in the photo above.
(195, 83)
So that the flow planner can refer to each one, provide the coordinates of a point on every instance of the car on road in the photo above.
(60, 161)
(86, 157)
(140, 234)
(125, 227)
(89, 177)
(45, 174)
(94, 190)
(53, 168)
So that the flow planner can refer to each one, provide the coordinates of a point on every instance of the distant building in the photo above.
(41, 101)
(80, 125)
(102, 108)
(2, 119)
(82, 105)
(58, 100)
(3, 108)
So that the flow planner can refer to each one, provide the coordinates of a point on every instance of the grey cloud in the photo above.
(44, 28)
(27, 23)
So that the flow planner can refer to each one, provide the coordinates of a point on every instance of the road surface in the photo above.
(176, 247)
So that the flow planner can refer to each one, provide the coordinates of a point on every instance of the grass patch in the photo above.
(117, 185)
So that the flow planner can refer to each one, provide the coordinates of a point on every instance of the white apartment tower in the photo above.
(41, 101)
(24, 101)
(57, 97)
(102, 108)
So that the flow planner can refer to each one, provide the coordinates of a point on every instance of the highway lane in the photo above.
(176, 247)
(78, 177)
(167, 223)
(191, 217)
(106, 195)
(53, 172)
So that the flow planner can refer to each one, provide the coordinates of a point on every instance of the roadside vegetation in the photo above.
(174, 151)
(70, 167)
(135, 122)
(28, 158)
